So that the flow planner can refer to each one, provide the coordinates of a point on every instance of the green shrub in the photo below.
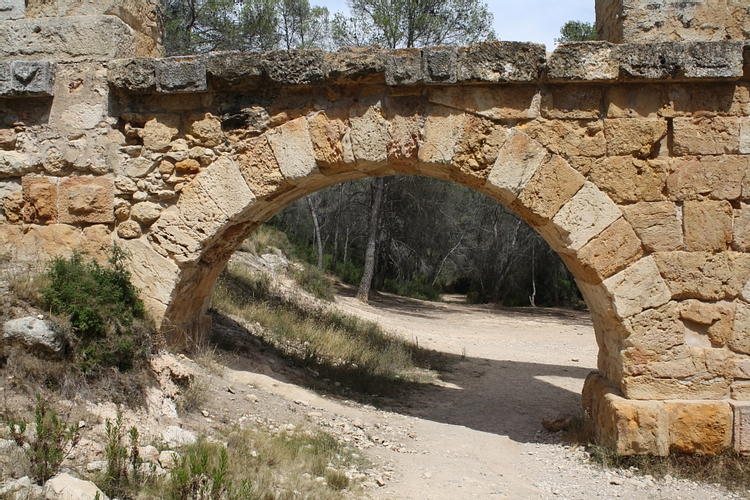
(102, 306)
(349, 273)
(315, 281)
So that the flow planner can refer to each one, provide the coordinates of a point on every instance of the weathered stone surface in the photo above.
(129, 229)
(741, 436)
(656, 224)
(87, 37)
(636, 288)
(718, 177)
(369, 133)
(234, 70)
(14, 164)
(583, 61)
(517, 162)
(644, 101)
(652, 61)
(207, 131)
(133, 75)
(86, 199)
(40, 197)
(606, 254)
(12, 9)
(740, 391)
(294, 67)
(516, 102)
(740, 341)
(293, 149)
(356, 65)
(569, 137)
(180, 74)
(572, 102)
(648, 387)
(629, 427)
(145, 212)
(32, 78)
(633, 137)
(654, 333)
(626, 179)
(441, 131)
(440, 64)
(741, 225)
(405, 119)
(699, 426)
(66, 487)
(701, 275)
(35, 334)
(259, 167)
(403, 67)
(497, 62)
(708, 225)
(477, 146)
(586, 215)
(551, 186)
(158, 132)
(329, 132)
(706, 136)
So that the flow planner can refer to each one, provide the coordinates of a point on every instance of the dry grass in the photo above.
(342, 348)
(265, 238)
(194, 396)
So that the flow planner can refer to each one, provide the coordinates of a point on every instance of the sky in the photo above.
(536, 21)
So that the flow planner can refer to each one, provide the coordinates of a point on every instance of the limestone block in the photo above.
(515, 102)
(66, 487)
(293, 149)
(356, 65)
(572, 102)
(440, 64)
(640, 101)
(158, 132)
(708, 225)
(636, 288)
(294, 67)
(586, 215)
(180, 74)
(606, 254)
(441, 132)
(403, 67)
(631, 136)
(329, 132)
(741, 226)
(86, 37)
(207, 131)
(97, 242)
(86, 199)
(369, 133)
(40, 196)
(14, 164)
(702, 275)
(551, 186)
(583, 61)
(145, 212)
(647, 387)
(740, 341)
(744, 137)
(656, 224)
(741, 438)
(706, 136)
(171, 236)
(234, 70)
(569, 137)
(627, 180)
(699, 426)
(654, 332)
(476, 150)
(722, 99)
(260, 168)
(405, 123)
(499, 62)
(720, 59)
(740, 391)
(719, 177)
(32, 78)
(651, 61)
(12, 9)
(188, 166)
(6, 78)
(129, 229)
(517, 162)
(629, 427)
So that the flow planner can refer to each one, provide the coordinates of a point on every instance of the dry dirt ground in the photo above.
(479, 433)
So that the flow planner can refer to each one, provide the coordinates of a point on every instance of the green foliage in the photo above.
(416, 287)
(52, 440)
(117, 457)
(577, 31)
(102, 306)
(203, 472)
(349, 273)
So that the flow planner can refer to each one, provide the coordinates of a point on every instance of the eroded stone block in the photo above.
(180, 74)
(497, 62)
(741, 411)
(234, 70)
(133, 75)
(719, 177)
(12, 9)
(657, 224)
(699, 426)
(637, 287)
(708, 225)
(294, 67)
(516, 163)
(706, 136)
(32, 78)
(583, 61)
(356, 65)
(403, 67)
(440, 64)
(86, 199)
(293, 149)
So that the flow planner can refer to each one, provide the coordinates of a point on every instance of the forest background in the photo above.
(408, 235)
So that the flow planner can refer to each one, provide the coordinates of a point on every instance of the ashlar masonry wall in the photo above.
(631, 159)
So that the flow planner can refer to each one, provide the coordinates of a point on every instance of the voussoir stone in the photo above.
(637, 287)
(293, 148)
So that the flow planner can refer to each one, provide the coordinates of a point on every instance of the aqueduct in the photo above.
(631, 156)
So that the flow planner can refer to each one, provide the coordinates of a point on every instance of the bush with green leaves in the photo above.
(102, 306)
(52, 440)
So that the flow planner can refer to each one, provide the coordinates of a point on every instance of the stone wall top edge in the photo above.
(486, 63)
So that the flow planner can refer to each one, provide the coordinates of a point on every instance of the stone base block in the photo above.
(188, 336)
(634, 427)
(741, 439)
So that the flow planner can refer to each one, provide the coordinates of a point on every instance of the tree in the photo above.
(576, 31)
(302, 26)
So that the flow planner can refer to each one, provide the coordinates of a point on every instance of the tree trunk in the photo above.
(363, 293)
(532, 297)
(317, 233)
